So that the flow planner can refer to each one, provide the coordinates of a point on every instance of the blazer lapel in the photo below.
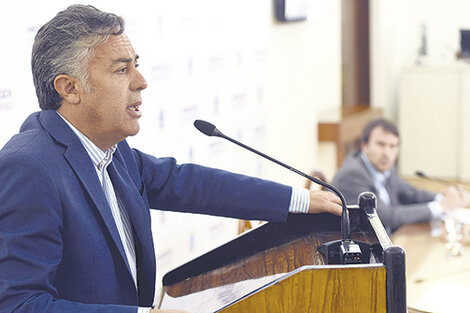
(139, 216)
(130, 196)
(80, 162)
(86, 172)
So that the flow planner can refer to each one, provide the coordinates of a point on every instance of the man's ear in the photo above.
(68, 88)
(363, 146)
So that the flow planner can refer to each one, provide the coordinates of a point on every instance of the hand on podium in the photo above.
(324, 201)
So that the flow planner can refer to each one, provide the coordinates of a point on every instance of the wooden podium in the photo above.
(277, 268)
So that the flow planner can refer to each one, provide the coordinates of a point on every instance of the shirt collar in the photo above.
(377, 176)
(100, 158)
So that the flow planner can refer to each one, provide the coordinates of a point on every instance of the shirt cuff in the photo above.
(299, 201)
(436, 209)
(143, 310)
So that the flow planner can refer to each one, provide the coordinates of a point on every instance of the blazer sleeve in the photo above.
(198, 189)
(352, 182)
(408, 194)
(413, 204)
(30, 241)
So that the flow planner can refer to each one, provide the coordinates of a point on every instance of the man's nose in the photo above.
(139, 83)
(390, 151)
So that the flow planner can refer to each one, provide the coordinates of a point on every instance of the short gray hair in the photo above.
(63, 46)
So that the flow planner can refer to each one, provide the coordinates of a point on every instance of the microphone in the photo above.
(438, 179)
(349, 251)
(446, 182)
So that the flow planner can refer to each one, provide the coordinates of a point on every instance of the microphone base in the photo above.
(345, 252)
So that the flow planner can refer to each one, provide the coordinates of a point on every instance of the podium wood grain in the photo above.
(276, 278)
(360, 289)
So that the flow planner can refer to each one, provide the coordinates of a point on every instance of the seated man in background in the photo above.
(373, 168)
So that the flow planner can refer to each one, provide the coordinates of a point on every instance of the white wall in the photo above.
(396, 36)
(226, 61)
(303, 76)
(396, 31)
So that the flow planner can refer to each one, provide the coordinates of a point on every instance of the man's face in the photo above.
(111, 109)
(382, 148)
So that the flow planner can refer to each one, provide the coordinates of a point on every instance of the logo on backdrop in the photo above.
(5, 98)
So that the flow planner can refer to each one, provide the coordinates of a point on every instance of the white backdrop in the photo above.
(227, 61)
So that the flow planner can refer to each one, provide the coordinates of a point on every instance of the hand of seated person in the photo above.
(454, 197)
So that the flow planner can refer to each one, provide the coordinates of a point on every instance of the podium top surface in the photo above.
(260, 258)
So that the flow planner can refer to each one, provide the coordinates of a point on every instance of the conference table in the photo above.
(437, 272)
(437, 280)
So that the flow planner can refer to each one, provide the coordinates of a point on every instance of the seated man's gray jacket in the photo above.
(407, 204)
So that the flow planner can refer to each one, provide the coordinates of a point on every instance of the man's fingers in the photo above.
(324, 201)
(337, 205)
(338, 210)
(336, 199)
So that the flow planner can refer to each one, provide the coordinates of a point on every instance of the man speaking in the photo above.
(75, 230)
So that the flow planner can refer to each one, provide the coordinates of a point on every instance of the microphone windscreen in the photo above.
(420, 174)
(204, 127)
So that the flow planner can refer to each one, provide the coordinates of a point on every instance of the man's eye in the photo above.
(122, 70)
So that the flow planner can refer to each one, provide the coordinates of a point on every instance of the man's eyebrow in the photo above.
(125, 60)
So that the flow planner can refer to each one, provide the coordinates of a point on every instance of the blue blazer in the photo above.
(59, 247)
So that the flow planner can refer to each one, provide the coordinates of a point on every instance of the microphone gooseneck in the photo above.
(210, 130)
(421, 174)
